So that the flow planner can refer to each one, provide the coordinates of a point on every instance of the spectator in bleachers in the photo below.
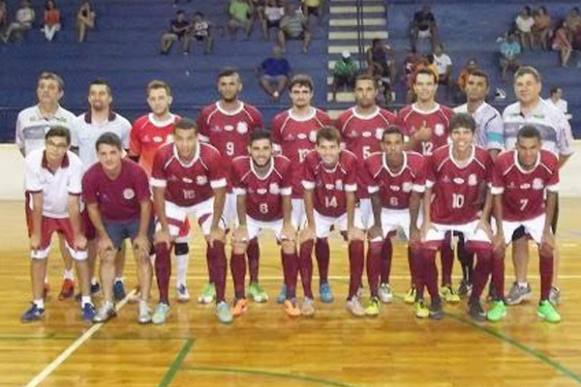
(562, 44)
(201, 31)
(381, 59)
(443, 63)
(178, 30)
(312, 8)
(240, 14)
(460, 87)
(409, 66)
(294, 26)
(423, 26)
(541, 28)
(344, 73)
(510, 51)
(85, 20)
(52, 20)
(257, 12)
(524, 23)
(556, 98)
(273, 13)
(274, 73)
(25, 16)
(3, 15)
(573, 22)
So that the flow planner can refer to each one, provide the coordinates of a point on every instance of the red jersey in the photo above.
(188, 184)
(523, 192)
(294, 137)
(147, 136)
(263, 194)
(362, 135)
(411, 119)
(458, 192)
(330, 185)
(119, 199)
(395, 188)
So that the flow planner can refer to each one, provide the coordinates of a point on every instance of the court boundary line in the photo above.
(63, 356)
(177, 363)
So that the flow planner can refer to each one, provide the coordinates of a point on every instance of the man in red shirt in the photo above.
(263, 186)
(525, 186)
(189, 178)
(397, 180)
(330, 183)
(116, 191)
(294, 132)
(227, 124)
(457, 200)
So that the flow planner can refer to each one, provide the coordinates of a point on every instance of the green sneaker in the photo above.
(410, 296)
(449, 295)
(497, 311)
(422, 311)
(160, 314)
(208, 294)
(257, 294)
(547, 312)
(224, 313)
(372, 308)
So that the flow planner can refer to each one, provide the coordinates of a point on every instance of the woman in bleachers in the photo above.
(524, 24)
(541, 28)
(85, 20)
(52, 20)
(562, 43)
(273, 12)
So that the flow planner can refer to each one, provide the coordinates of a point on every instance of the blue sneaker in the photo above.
(34, 313)
(282, 295)
(95, 288)
(325, 293)
(118, 291)
(89, 312)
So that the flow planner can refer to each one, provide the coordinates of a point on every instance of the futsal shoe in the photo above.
(144, 313)
(308, 307)
(88, 312)
(280, 299)
(291, 307)
(547, 312)
(224, 313)
(160, 314)
(410, 296)
(555, 295)
(105, 313)
(518, 294)
(476, 312)
(95, 288)
(385, 294)
(421, 310)
(464, 289)
(208, 294)
(372, 308)
(497, 311)
(449, 294)
(436, 310)
(354, 306)
(325, 293)
(119, 290)
(67, 290)
(240, 307)
(34, 313)
(257, 293)
(182, 293)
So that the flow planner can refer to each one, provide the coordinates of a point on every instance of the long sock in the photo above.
(481, 272)
(253, 254)
(162, 271)
(238, 268)
(356, 263)
(209, 263)
(373, 266)
(447, 259)
(322, 254)
(498, 275)
(182, 269)
(219, 264)
(385, 261)
(417, 269)
(431, 274)
(306, 267)
(412, 265)
(546, 271)
(466, 259)
(290, 268)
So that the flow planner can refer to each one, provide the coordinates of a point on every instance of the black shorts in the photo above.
(272, 24)
(520, 232)
(313, 11)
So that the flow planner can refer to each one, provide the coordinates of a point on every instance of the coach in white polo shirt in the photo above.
(531, 109)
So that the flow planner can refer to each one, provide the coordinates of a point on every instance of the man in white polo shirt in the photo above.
(88, 127)
(31, 126)
(53, 185)
(531, 109)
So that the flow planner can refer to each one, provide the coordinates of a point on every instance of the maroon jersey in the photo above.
(523, 192)
(188, 184)
(295, 137)
(119, 199)
(362, 135)
(395, 187)
(458, 192)
(263, 194)
(410, 118)
(330, 185)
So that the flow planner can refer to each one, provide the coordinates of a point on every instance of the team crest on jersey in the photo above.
(339, 185)
(302, 136)
(446, 179)
(128, 193)
(274, 188)
(367, 134)
(242, 128)
(407, 186)
(313, 136)
(439, 130)
(289, 137)
(261, 191)
(394, 188)
(378, 133)
(458, 180)
(353, 134)
(511, 185)
(187, 180)
(472, 180)
(172, 178)
(201, 180)
(538, 183)
(216, 128)
(158, 139)
(146, 138)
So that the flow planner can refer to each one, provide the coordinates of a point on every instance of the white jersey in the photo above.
(489, 126)
(31, 126)
(85, 135)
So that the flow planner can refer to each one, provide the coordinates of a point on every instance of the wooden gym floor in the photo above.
(265, 347)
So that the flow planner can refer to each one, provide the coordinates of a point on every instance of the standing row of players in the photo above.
(228, 125)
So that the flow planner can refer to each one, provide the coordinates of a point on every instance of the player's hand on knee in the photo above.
(375, 232)
(216, 235)
(162, 236)
(547, 242)
(240, 234)
(288, 232)
(35, 241)
(105, 245)
(141, 245)
(355, 234)
(485, 226)
(308, 233)
(80, 242)
(415, 236)
(426, 227)
(498, 245)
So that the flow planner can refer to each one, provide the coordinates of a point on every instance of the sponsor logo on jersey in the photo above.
(439, 130)
(458, 180)
(228, 128)
(339, 185)
(274, 188)
(302, 136)
(158, 139)
(407, 186)
(128, 193)
(201, 180)
(261, 191)
(525, 186)
(472, 180)
(187, 180)
(329, 186)
(366, 134)
(242, 127)
(394, 188)
(538, 183)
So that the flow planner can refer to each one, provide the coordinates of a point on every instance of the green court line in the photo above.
(272, 374)
(176, 364)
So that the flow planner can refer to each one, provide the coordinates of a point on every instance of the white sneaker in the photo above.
(144, 316)
(161, 313)
(308, 307)
(182, 293)
(105, 312)
(385, 293)
(354, 306)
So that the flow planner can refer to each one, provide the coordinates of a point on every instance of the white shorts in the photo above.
(366, 213)
(230, 214)
(392, 220)
(177, 218)
(254, 227)
(298, 217)
(471, 234)
(533, 227)
(324, 223)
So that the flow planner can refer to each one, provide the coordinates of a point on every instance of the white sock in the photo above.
(118, 279)
(69, 274)
(86, 300)
(94, 281)
(523, 284)
(181, 269)
(39, 303)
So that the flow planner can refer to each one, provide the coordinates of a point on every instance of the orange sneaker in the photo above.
(240, 307)
(291, 308)
(67, 290)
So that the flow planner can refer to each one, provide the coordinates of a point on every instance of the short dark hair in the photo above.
(260, 135)
(200, 14)
(54, 77)
(555, 89)
(109, 138)
(157, 84)
(462, 120)
(481, 74)
(392, 129)
(427, 72)
(227, 72)
(101, 82)
(524, 70)
(180, 12)
(186, 124)
(366, 77)
(301, 80)
(59, 131)
(328, 133)
(528, 131)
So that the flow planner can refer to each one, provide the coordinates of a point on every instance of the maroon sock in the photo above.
(498, 275)
(290, 268)
(209, 263)
(481, 271)
(373, 266)
(306, 267)
(356, 264)
(447, 259)
(385, 260)
(219, 269)
(163, 270)
(253, 254)
(412, 265)
(417, 269)
(546, 271)
(238, 268)
(322, 255)
(431, 274)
